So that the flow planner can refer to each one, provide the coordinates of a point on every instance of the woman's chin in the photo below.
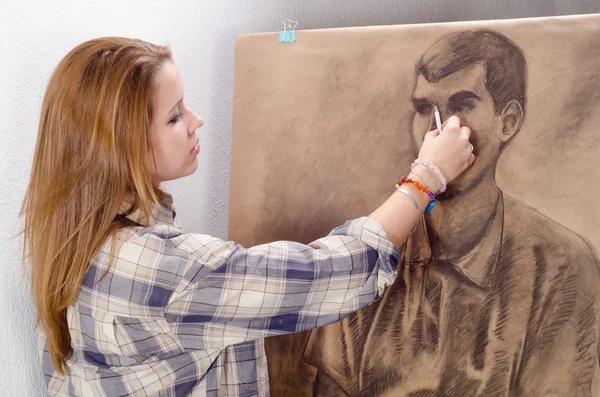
(193, 168)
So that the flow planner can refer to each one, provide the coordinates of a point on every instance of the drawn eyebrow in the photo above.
(421, 101)
(461, 96)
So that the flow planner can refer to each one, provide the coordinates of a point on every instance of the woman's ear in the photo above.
(512, 120)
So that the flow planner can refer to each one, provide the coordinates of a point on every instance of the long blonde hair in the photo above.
(93, 148)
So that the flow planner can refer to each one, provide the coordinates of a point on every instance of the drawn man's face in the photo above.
(464, 94)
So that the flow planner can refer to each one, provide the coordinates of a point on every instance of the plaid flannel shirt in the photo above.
(184, 314)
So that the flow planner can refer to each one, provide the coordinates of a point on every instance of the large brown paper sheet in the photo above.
(498, 289)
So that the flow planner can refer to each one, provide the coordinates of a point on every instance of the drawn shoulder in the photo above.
(530, 229)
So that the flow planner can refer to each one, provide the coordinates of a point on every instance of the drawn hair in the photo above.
(504, 62)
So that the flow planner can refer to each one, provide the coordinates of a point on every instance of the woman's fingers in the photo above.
(452, 125)
(465, 133)
(471, 159)
(431, 134)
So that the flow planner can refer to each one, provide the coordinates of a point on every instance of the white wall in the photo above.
(34, 37)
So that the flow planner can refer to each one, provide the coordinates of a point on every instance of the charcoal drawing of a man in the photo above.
(493, 298)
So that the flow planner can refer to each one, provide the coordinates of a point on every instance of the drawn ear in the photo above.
(512, 120)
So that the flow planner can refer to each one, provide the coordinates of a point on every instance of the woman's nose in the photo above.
(197, 123)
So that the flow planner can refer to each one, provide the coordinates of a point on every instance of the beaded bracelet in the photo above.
(421, 188)
(431, 165)
(434, 180)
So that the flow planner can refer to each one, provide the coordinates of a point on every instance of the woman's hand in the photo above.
(449, 149)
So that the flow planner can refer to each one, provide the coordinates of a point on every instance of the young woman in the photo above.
(130, 304)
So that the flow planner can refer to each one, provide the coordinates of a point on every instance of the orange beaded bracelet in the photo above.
(421, 188)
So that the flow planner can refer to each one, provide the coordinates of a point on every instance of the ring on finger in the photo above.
(470, 146)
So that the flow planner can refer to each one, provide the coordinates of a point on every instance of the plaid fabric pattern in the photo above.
(184, 314)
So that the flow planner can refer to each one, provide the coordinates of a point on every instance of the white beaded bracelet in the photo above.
(431, 165)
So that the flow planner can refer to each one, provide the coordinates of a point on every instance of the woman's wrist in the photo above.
(417, 177)
(428, 177)
(433, 170)
(422, 198)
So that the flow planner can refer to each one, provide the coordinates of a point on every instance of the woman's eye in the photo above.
(176, 118)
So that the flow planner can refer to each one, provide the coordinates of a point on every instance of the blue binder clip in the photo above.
(288, 34)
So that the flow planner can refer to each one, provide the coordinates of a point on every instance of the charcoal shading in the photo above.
(492, 297)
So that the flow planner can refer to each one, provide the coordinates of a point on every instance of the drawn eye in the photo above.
(424, 109)
(464, 106)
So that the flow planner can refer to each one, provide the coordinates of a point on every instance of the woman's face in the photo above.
(173, 128)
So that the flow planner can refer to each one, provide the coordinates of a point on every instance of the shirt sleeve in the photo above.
(230, 294)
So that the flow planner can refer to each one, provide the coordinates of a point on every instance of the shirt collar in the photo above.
(159, 214)
(479, 263)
